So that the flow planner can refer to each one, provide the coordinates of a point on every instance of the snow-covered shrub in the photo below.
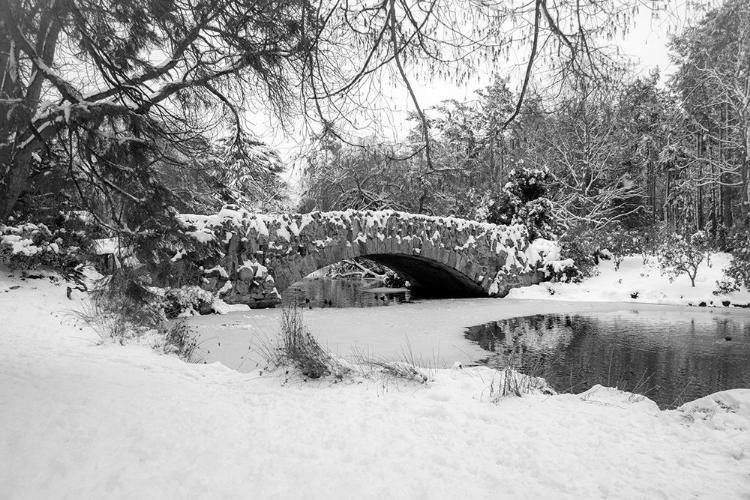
(28, 246)
(726, 285)
(646, 240)
(298, 348)
(564, 271)
(124, 306)
(679, 255)
(583, 247)
(523, 201)
(509, 382)
(738, 272)
(179, 339)
(620, 244)
(188, 299)
(126, 295)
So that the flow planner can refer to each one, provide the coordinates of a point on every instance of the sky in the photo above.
(646, 43)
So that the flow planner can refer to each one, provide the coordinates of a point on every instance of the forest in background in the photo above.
(625, 162)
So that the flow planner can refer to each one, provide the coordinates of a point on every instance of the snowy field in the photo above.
(84, 419)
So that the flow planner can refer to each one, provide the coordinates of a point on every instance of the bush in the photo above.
(679, 255)
(564, 271)
(620, 244)
(180, 339)
(584, 248)
(523, 201)
(509, 382)
(646, 240)
(188, 299)
(123, 306)
(738, 272)
(298, 348)
(28, 246)
(726, 285)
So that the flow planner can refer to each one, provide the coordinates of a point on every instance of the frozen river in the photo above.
(669, 352)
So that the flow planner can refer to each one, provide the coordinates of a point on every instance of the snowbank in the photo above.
(82, 419)
(636, 282)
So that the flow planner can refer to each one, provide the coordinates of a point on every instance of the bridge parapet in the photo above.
(261, 254)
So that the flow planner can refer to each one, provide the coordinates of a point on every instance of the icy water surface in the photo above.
(670, 356)
(670, 353)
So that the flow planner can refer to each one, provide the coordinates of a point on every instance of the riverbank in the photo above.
(86, 419)
(433, 329)
(637, 283)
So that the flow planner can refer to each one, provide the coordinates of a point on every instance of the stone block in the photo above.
(241, 288)
(308, 265)
(246, 274)
(452, 259)
(210, 284)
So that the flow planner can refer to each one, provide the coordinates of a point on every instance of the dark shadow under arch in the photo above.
(428, 277)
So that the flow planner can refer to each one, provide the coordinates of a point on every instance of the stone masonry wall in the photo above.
(260, 255)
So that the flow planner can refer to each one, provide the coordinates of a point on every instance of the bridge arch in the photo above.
(441, 255)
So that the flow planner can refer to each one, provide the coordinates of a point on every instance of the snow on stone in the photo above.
(224, 289)
(261, 271)
(202, 235)
(222, 272)
(177, 256)
(470, 242)
(282, 232)
(544, 250)
(221, 307)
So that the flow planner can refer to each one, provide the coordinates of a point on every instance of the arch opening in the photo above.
(430, 278)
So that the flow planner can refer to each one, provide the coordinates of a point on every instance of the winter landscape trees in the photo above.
(106, 98)
(132, 112)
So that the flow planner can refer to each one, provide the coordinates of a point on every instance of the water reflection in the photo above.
(671, 357)
(328, 292)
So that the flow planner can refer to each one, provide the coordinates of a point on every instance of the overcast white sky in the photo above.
(646, 42)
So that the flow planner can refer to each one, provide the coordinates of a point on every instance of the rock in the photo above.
(725, 303)
(241, 288)
(246, 274)
(210, 284)
(702, 304)
(213, 273)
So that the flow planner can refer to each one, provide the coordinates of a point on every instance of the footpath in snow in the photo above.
(81, 418)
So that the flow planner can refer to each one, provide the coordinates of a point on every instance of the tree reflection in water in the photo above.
(670, 357)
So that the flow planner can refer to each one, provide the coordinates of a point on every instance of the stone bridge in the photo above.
(254, 256)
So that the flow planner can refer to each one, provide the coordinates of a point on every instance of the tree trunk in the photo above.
(744, 167)
(13, 178)
(699, 222)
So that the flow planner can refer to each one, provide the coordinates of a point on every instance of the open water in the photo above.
(671, 354)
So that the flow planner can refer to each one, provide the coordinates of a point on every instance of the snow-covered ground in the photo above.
(650, 285)
(85, 419)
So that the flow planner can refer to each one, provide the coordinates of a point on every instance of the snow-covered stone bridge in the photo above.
(260, 254)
